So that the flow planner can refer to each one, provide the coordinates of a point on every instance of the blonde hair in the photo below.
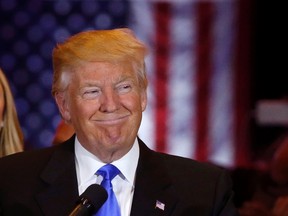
(11, 137)
(118, 45)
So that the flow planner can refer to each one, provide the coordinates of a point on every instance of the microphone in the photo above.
(90, 201)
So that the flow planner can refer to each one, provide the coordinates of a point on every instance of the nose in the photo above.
(109, 101)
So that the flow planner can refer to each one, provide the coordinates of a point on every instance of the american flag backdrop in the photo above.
(198, 89)
(198, 69)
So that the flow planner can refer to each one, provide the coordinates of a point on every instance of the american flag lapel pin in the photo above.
(159, 205)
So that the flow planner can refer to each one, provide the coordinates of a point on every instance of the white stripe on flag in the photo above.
(181, 109)
(142, 22)
(221, 113)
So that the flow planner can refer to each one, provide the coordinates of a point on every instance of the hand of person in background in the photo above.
(254, 208)
(281, 206)
(63, 132)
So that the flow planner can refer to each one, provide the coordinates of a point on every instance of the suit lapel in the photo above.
(152, 184)
(61, 192)
(154, 193)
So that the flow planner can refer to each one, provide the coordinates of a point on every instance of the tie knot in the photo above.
(108, 171)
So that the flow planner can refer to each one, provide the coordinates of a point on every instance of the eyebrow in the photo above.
(118, 80)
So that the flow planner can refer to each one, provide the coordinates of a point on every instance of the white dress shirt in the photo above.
(123, 185)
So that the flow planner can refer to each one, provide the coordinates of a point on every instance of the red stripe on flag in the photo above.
(204, 39)
(162, 18)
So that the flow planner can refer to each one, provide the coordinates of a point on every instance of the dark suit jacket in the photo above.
(43, 182)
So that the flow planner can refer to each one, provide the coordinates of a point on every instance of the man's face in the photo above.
(104, 103)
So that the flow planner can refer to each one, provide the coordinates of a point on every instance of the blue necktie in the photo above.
(110, 207)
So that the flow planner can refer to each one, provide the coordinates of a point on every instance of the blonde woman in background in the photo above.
(11, 137)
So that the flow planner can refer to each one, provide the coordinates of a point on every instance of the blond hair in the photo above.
(118, 45)
(11, 137)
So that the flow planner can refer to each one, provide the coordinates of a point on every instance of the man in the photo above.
(100, 88)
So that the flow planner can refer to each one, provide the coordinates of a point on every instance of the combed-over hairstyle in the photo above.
(115, 46)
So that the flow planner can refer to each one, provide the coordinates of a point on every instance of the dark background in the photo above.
(269, 66)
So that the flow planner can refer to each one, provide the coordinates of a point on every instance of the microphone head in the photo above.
(95, 195)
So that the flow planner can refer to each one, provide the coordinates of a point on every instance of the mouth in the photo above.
(112, 120)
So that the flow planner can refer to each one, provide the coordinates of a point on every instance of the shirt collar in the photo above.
(87, 164)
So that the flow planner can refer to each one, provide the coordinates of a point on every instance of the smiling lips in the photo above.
(111, 120)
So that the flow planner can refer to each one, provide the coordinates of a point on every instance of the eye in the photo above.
(91, 93)
(124, 88)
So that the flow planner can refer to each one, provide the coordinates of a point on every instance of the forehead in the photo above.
(104, 70)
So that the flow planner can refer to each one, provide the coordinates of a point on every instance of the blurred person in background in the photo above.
(11, 137)
(63, 132)
(271, 195)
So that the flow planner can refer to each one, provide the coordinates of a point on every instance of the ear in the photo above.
(62, 103)
(143, 99)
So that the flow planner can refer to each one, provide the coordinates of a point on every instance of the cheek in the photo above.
(84, 108)
(131, 101)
